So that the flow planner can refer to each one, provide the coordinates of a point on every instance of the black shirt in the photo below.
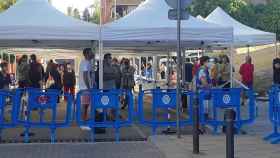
(69, 79)
(188, 72)
(5, 81)
(276, 72)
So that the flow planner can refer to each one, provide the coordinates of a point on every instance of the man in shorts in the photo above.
(86, 82)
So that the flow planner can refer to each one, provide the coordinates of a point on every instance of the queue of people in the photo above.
(116, 75)
(216, 71)
(31, 74)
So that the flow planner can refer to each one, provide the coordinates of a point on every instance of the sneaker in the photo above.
(85, 128)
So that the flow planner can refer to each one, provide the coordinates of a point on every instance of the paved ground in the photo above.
(98, 150)
(214, 147)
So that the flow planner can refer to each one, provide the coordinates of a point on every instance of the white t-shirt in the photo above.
(84, 67)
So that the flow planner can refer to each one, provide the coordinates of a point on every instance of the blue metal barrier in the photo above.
(274, 114)
(164, 99)
(41, 101)
(6, 120)
(220, 99)
(104, 100)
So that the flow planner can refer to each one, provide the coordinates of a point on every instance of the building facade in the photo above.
(120, 7)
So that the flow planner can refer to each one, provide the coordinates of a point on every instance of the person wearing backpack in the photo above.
(36, 72)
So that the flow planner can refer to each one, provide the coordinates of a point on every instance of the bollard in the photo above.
(229, 120)
(140, 87)
(196, 126)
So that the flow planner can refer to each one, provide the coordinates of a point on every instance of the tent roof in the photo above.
(149, 22)
(243, 35)
(35, 23)
(200, 17)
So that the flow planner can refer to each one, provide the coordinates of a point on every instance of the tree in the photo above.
(270, 20)
(5, 4)
(76, 13)
(205, 7)
(95, 18)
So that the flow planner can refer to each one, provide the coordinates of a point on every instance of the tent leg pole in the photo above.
(231, 65)
(248, 50)
(168, 71)
(184, 68)
(276, 49)
(179, 69)
(155, 70)
(100, 51)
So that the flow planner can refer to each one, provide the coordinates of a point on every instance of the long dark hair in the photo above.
(21, 59)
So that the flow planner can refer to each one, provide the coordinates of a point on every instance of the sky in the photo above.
(63, 4)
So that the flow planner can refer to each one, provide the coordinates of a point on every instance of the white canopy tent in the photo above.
(35, 23)
(148, 26)
(243, 35)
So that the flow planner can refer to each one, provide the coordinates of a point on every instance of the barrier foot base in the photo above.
(169, 131)
(273, 135)
(275, 141)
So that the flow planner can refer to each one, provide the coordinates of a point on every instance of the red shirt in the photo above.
(247, 73)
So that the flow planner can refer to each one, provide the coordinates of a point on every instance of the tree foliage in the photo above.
(95, 17)
(5, 4)
(76, 13)
(265, 17)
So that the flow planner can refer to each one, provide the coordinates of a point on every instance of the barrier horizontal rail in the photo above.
(164, 99)
(213, 100)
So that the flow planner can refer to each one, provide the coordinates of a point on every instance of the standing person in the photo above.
(225, 70)
(203, 82)
(127, 80)
(117, 68)
(5, 79)
(85, 82)
(247, 75)
(213, 68)
(247, 72)
(36, 72)
(109, 79)
(23, 72)
(69, 80)
(149, 71)
(61, 70)
(49, 65)
(109, 73)
(276, 71)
